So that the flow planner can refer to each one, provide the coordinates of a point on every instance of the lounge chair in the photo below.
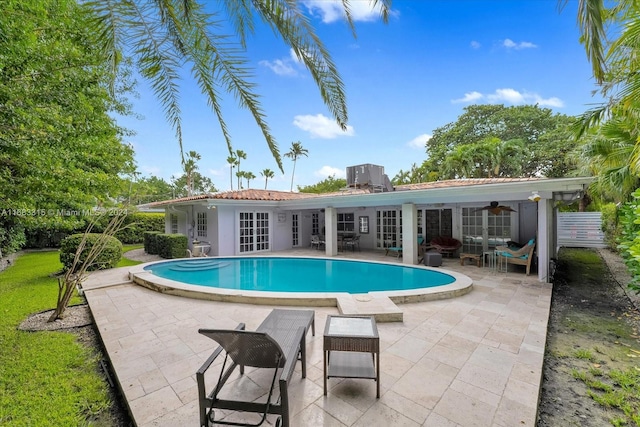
(398, 249)
(277, 344)
(446, 245)
(515, 255)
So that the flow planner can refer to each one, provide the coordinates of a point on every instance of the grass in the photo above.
(608, 369)
(46, 378)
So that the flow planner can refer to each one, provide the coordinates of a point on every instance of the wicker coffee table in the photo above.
(351, 349)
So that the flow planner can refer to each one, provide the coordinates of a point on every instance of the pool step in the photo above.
(380, 307)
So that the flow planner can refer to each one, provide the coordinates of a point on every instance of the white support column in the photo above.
(544, 241)
(409, 234)
(331, 231)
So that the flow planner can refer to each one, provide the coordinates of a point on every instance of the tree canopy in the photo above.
(499, 141)
(60, 150)
(328, 185)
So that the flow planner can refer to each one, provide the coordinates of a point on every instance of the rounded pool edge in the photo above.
(461, 285)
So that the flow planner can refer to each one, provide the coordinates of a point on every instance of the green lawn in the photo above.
(46, 378)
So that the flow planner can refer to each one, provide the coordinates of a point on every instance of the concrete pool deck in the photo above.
(473, 360)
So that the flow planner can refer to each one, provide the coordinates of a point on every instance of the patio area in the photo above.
(473, 360)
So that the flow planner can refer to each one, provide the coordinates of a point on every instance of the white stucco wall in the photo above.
(227, 231)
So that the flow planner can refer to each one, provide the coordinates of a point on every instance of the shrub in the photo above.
(611, 225)
(12, 237)
(108, 258)
(151, 242)
(135, 225)
(172, 245)
(629, 242)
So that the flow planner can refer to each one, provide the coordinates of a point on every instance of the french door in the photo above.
(295, 229)
(388, 228)
(253, 231)
(483, 230)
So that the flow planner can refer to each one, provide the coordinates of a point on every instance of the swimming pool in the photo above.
(411, 283)
(281, 274)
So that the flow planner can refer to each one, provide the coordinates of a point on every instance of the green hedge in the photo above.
(108, 258)
(46, 232)
(151, 242)
(134, 226)
(172, 245)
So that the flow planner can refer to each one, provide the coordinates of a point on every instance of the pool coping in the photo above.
(463, 284)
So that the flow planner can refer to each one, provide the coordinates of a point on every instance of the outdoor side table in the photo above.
(351, 349)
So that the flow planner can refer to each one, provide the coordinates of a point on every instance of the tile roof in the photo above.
(276, 196)
(248, 194)
(452, 183)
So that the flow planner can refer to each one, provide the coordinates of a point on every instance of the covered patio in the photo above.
(473, 360)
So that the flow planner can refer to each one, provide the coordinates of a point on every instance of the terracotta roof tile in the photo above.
(248, 194)
(276, 196)
(451, 183)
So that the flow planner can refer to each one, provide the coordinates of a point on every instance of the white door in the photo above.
(483, 230)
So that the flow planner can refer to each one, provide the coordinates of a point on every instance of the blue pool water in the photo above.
(278, 274)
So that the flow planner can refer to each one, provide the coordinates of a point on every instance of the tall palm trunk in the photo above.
(293, 173)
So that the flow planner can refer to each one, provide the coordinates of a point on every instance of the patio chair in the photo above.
(351, 242)
(446, 245)
(316, 241)
(398, 249)
(515, 255)
(276, 344)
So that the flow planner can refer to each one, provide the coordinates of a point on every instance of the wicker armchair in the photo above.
(446, 245)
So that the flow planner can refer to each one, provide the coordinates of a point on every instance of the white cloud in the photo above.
(327, 171)
(281, 67)
(475, 44)
(419, 141)
(506, 95)
(510, 96)
(333, 10)
(548, 102)
(321, 126)
(469, 97)
(510, 44)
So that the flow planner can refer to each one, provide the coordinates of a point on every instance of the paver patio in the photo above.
(475, 360)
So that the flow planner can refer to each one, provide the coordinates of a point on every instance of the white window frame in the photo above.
(201, 224)
(253, 231)
(173, 223)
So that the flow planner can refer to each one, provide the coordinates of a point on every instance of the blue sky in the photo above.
(403, 80)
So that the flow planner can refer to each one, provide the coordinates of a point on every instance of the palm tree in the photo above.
(231, 160)
(190, 167)
(294, 152)
(162, 37)
(240, 175)
(249, 176)
(239, 154)
(612, 153)
(267, 173)
(613, 61)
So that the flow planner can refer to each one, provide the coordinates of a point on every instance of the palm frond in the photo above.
(286, 19)
(590, 20)
(106, 16)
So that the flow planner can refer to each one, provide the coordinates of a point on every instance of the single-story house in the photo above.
(481, 213)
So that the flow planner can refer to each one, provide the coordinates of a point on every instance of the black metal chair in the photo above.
(277, 344)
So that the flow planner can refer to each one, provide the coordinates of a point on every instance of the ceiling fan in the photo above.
(495, 208)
